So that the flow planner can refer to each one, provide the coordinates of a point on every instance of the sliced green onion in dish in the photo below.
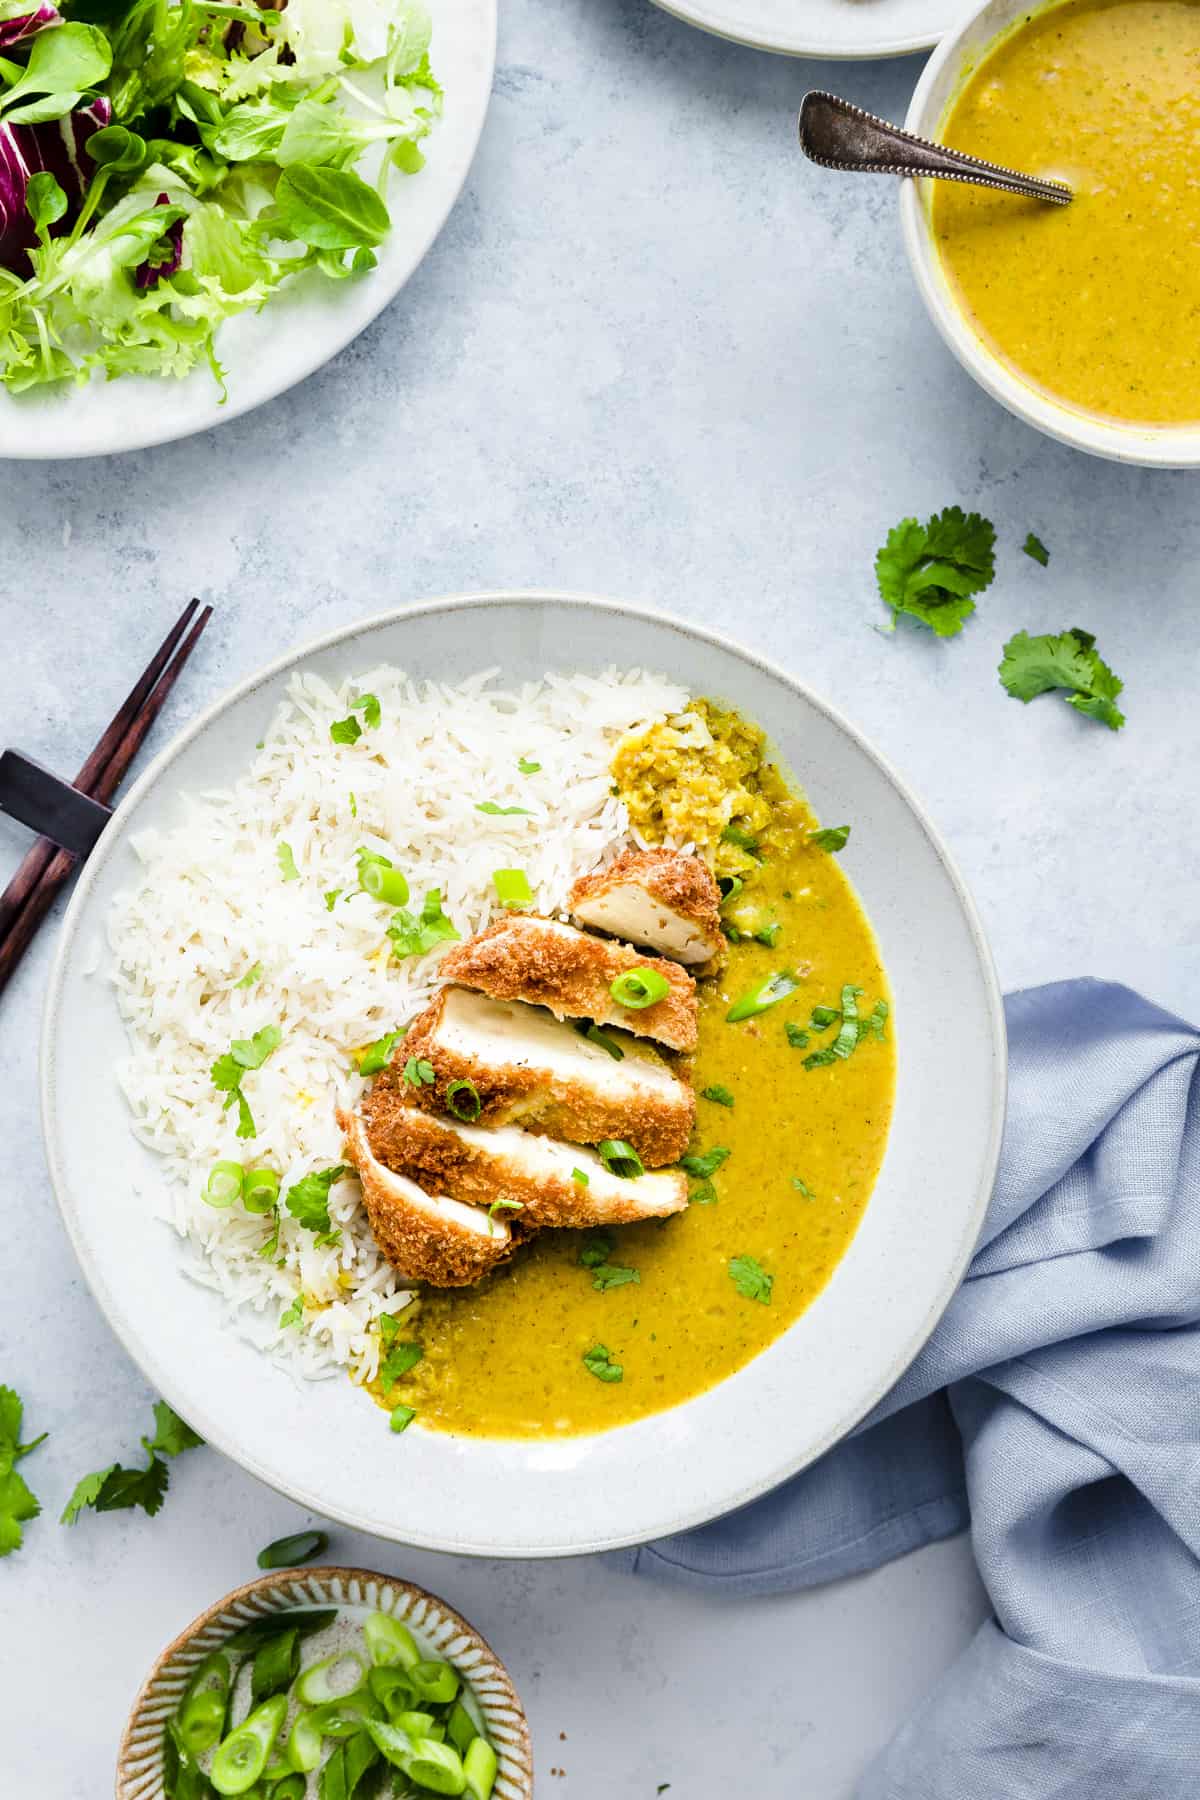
(400, 1359)
(436, 1682)
(402, 1417)
(201, 1716)
(462, 1098)
(503, 1206)
(226, 1182)
(579, 1176)
(758, 999)
(512, 887)
(526, 767)
(242, 1756)
(286, 1552)
(831, 838)
(389, 1643)
(640, 987)
(730, 886)
(276, 1665)
(261, 1190)
(332, 1678)
(620, 1158)
(480, 1767)
(384, 883)
(501, 812)
(745, 840)
(601, 1039)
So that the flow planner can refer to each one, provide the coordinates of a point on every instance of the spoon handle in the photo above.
(840, 136)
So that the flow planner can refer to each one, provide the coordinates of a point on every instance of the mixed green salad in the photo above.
(166, 164)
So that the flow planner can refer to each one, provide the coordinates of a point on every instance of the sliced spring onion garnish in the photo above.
(261, 1190)
(500, 812)
(579, 1176)
(378, 1055)
(286, 1552)
(704, 1163)
(620, 1158)
(382, 882)
(400, 1359)
(730, 886)
(592, 1032)
(462, 1097)
(402, 1417)
(768, 993)
(526, 767)
(831, 838)
(226, 1181)
(512, 887)
(745, 840)
(639, 987)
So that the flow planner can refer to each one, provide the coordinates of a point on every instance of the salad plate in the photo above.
(845, 29)
(305, 320)
(323, 1441)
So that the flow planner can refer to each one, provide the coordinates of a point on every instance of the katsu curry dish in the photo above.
(524, 1055)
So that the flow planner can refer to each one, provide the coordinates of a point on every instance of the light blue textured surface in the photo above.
(656, 355)
(1054, 1402)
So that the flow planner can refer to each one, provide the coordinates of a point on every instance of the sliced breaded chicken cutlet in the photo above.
(427, 1237)
(660, 898)
(543, 962)
(553, 1184)
(530, 1068)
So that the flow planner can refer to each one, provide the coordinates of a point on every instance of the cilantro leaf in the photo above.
(797, 1037)
(419, 1073)
(172, 1435)
(598, 1361)
(345, 731)
(1071, 662)
(18, 1503)
(751, 1279)
(252, 975)
(378, 1055)
(252, 1053)
(308, 1199)
(331, 898)
(398, 1361)
(803, 1188)
(596, 1249)
(526, 767)
(931, 571)
(368, 705)
(286, 861)
(293, 1314)
(831, 838)
(413, 936)
(720, 1096)
(612, 1275)
(1033, 546)
(702, 1164)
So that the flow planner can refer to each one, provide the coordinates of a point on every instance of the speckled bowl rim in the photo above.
(732, 1494)
(958, 54)
(159, 1694)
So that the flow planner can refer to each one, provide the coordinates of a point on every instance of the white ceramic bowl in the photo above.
(324, 1444)
(140, 1759)
(1159, 446)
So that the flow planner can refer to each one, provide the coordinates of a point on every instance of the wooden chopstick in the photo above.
(38, 860)
(42, 876)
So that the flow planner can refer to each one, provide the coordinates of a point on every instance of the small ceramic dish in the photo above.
(140, 1757)
(960, 52)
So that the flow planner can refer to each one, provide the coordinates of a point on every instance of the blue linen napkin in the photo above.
(1056, 1410)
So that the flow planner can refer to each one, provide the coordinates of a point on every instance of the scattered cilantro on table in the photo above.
(116, 1488)
(1069, 662)
(17, 1502)
(930, 572)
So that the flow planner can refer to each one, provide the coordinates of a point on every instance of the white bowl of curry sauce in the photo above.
(1078, 319)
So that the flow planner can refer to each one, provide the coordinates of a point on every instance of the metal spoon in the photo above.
(840, 136)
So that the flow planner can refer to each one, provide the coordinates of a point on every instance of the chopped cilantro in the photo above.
(704, 1163)
(413, 936)
(720, 1096)
(286, 861)
(931, 571)
(751, 1279)
(703, 1194)
(353, 806)
(332, 897)
(251, 976)
(831, 838)
(802, 1187)
(402, 1417)
(369, 707)
(389, 1325)
(526, 767)
(797, 1037)
(612, 1275)
(1033, 546)
(596, 1249)
(598, 1361)
(294, 1313)
(116, 1488)
(308, 1200)
(500, 812)
(1071, 662)
(345, 731)
(227, 1072)
(378, 1055)
(419, 1073)
(745, 840)
(18, 1504)
(400, 1359)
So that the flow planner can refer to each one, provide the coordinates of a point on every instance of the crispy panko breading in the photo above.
(661, 898)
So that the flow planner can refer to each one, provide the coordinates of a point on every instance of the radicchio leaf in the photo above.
(168, 251)
(27, 25)
(59, 147)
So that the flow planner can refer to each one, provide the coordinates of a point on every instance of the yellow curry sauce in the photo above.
(1096, 303)
(505, 1359)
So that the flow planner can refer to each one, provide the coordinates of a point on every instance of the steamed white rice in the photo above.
(213, 903)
